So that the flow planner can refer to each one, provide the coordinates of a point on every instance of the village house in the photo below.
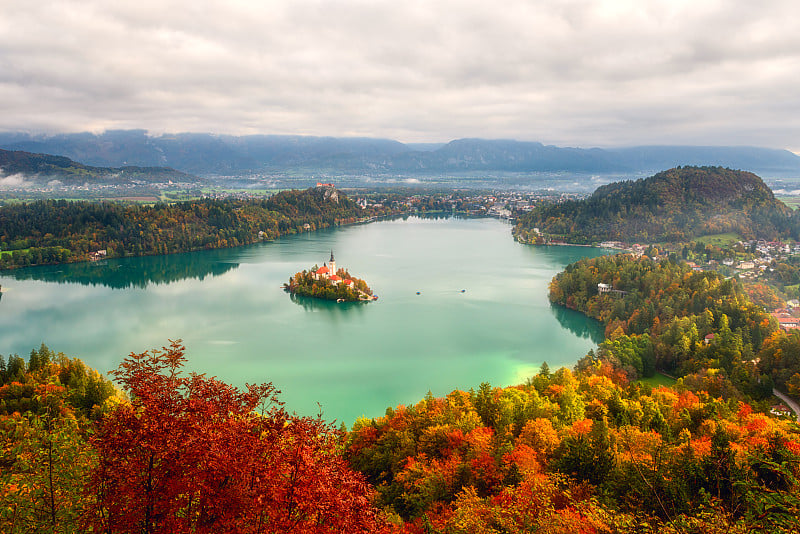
(99, 255)
(786, 321)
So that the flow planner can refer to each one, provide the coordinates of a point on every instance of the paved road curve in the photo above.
(789, 402)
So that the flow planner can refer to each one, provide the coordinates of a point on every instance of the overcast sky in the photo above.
(565, 72)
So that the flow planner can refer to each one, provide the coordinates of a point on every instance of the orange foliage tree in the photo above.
(193, 454)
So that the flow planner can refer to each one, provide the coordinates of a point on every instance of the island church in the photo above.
(328, 272)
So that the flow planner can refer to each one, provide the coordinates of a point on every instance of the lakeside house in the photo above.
(98, 255)
(607, 289)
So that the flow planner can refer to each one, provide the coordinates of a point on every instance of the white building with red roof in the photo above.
(328, 272)
(322, 272)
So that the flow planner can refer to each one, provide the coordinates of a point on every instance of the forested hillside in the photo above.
(57, 231)
(674, 205)
(43, 168)
(697, 325)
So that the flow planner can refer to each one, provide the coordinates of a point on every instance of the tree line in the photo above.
(58, 231)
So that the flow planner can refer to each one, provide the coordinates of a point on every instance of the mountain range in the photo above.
(209, 154)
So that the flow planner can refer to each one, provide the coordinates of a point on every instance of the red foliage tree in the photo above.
(193, 454)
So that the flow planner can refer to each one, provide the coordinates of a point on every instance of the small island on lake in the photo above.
(328, 283)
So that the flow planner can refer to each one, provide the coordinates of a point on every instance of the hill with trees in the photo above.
(662, 315)
(674, 205)
(41, 169)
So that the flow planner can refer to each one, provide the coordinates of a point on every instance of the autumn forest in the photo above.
(599, 448)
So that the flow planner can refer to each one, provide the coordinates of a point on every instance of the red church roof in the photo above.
(348, 282)
(334, 277)
(323, 270)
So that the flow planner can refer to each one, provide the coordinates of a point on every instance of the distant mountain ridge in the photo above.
(43, 168)
(208, 154)
(674, 205)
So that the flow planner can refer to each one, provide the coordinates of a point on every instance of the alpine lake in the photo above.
(460, 303)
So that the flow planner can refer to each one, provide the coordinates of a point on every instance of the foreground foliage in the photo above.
(584, 452)
(566, 452)
(185, 454)
(46, 405)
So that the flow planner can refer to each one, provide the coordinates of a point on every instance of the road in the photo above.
(789, 402)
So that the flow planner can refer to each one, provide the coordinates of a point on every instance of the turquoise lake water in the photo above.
(354, 359)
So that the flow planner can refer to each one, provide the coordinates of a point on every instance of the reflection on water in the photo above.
(353, 358)
(578, 323)
(132, 272)
(312, 304)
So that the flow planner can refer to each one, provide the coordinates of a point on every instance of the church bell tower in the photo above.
(332, 264)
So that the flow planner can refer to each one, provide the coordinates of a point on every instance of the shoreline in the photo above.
(364, 220)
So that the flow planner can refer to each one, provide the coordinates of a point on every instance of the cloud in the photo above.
(13, 181)
(579, 72)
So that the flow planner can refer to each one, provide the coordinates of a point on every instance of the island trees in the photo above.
(306, 284)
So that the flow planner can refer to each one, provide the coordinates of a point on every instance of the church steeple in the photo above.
(332, 264)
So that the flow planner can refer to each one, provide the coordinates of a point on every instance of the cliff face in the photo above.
(331, 194)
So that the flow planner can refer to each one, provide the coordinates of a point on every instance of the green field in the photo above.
(658, 380)
(9, 252)
(791, 201)
(719, 240)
